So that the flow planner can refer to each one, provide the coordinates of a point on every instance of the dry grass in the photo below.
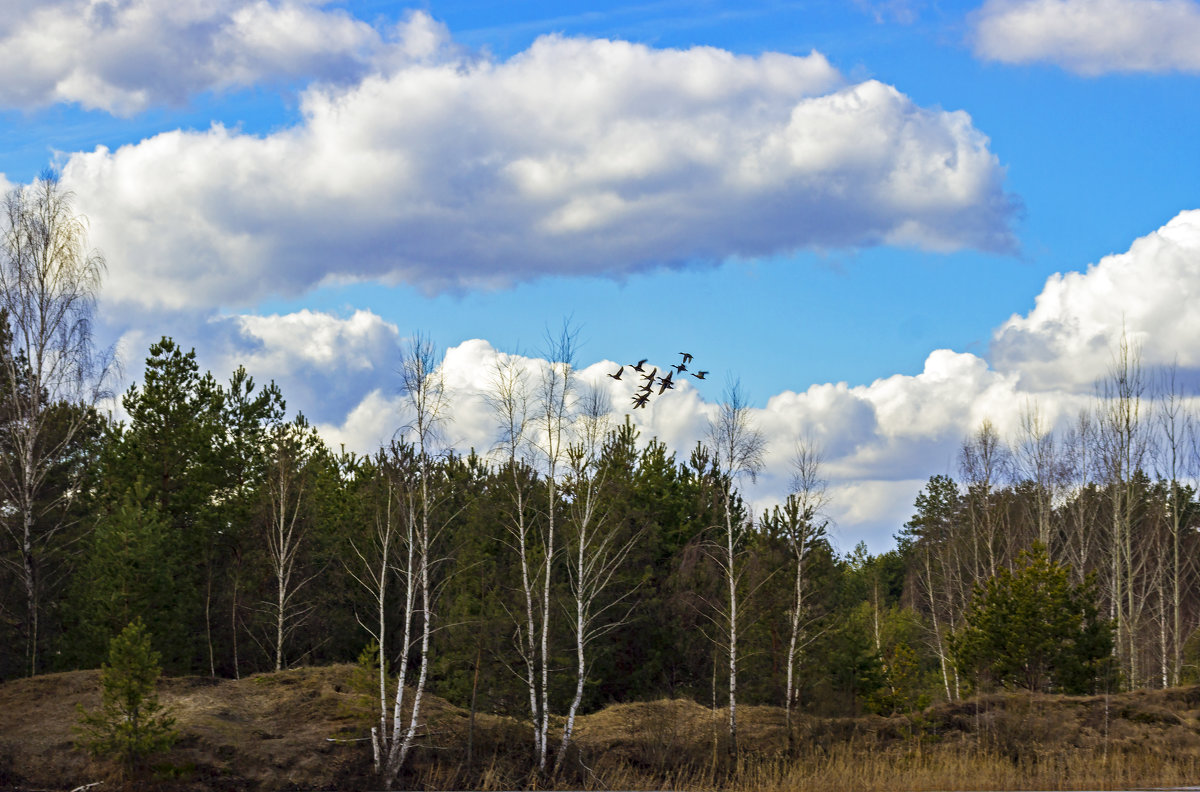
(271, 732)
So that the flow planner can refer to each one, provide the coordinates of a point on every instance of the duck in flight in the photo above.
(651, 381)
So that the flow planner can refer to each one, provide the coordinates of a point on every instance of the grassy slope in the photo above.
(270, 732)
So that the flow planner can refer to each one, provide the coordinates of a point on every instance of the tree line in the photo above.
(575, 564)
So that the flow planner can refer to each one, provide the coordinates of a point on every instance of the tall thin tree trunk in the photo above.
(31, 598)
(733, 622)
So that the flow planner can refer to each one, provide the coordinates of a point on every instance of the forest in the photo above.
(577, 563)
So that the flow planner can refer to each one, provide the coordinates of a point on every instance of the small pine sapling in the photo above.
(130, 724)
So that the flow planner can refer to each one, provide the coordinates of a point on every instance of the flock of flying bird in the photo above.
(651, 380)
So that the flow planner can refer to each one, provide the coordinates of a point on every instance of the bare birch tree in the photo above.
(510, 402)
(595, 549)
(1123, 446)
(423, 387)
(292, 447)
(738, 449)
(1037, 461)
(984, 461)
(804, 522)
(555, 402)
(1082, 545)
(49, 282)
(1176, 469)
(391, 532)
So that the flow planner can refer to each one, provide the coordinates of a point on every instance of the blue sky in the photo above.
(811, 197)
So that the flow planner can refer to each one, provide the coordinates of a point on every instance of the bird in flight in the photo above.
(650, 379)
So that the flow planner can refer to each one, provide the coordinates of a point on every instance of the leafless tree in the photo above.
(293, 447)
(1082, 546)
(49, 282)
(1037, 461)
(804, 522)
(510, 402)
(373, 571)
(1175, 464)
(985, 462)
(1123, 443)
(595, 549)
(738, 450)
(555, 402)
(390, 550)
(423, 386)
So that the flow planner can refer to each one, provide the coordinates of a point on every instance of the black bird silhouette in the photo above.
(700, 375)
(640, 401)
(665, 383)
(686, 357)
(649, 386)
(638, 366)
(682, 367)
(617, 376)
(650, 377)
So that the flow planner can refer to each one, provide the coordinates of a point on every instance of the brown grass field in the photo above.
(274, 732)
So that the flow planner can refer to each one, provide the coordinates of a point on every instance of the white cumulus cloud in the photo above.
(877, 440)
(123, 56)
(324, 364)
(1092, 36)
(1150, 291)
(576, 156)
(881, 442)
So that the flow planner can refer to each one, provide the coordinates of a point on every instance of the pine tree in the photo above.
(1031, 628)
(130, 724)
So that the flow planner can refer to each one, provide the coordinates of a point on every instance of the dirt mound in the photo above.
(304, 729)
(265, 731)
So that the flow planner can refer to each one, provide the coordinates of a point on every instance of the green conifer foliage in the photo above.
(1031, 628)
(130, 724)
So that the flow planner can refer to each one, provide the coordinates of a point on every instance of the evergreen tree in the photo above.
(1031, 628)
(130, 724)
(124, 575)
(173, 444)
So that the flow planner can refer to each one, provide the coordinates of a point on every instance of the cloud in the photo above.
(1092, 37)
(324, 364)
(904, 12)
(574, 157)
(881, 442)
(877, 440)
(1066, 342)
(124, 56)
